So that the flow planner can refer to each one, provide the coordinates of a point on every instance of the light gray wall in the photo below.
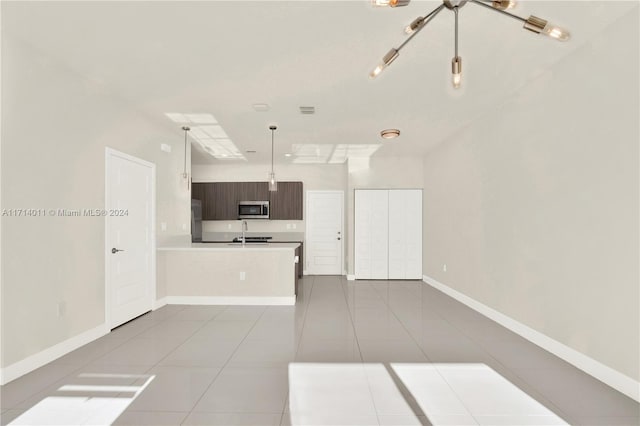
(55, 127)
(534, 209)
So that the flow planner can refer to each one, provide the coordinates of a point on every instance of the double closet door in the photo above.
(388, 234)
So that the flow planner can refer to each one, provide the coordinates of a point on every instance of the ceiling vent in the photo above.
(307, 110)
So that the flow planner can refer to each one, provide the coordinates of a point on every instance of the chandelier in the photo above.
(532, 23)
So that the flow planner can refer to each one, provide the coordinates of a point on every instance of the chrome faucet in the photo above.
(245, 227)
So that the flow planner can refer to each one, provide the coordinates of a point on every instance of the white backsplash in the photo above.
(254, 225)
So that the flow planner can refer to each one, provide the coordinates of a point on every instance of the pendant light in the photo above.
(185, 175)
(273, 184)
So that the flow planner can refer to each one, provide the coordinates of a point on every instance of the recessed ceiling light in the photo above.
(287, 155)
(307, 110)
(261, 107)
(390, 133)
(251, 151)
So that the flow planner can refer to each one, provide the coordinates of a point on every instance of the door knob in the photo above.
(338, 238)
(115, 250)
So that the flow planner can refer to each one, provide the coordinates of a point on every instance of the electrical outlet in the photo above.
(294, 225)
(163, 226)
(228, 226)
(444, 267)
(184, 226)
(165, 147)
(288, 226)
(243, 276)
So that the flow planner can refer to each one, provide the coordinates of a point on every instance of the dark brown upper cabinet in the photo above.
(286, 202)
(220, 199)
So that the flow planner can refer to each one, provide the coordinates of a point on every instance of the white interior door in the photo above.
(371, 234)
(325, 233)
(130, 242)
(405, 234)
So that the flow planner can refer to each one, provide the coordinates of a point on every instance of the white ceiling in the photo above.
(220, 57)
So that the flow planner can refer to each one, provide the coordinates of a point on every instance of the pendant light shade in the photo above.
(273, 184)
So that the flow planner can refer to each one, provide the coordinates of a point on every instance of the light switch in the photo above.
(165, 147)
(163, 226)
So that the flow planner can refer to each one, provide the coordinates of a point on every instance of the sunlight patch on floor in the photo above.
(93, 399)
(411, 393)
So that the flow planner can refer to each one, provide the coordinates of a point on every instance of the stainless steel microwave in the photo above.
(253, 210)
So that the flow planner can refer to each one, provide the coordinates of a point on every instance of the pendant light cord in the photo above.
(186, 129)
(272, 130)
(184, 172)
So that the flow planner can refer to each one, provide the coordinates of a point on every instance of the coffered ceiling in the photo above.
(222, 57)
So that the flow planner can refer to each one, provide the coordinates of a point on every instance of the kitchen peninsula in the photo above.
(227, 273)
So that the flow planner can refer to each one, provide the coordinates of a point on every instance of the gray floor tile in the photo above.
(386, 350)
(132, 329)
(225, 330)
(232, 419)
(230, 365)
(241, 313)
(10, 415)
(89, 376)
(90, 352)
(198, 313)
(608, 421)
(139, 352)
(276, 330)
(175, 389)
(264, 353)
(30, 384)
(340, 350)
(201, 353)
(150, 418)
(246, 390)
(578, 394)
(164, 313)
(519, 353)
(170, 329)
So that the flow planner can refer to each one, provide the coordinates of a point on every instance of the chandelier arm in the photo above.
(456, 42)
(511, 15)
(427, 19)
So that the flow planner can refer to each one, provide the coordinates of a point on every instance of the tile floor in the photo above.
(360, 353)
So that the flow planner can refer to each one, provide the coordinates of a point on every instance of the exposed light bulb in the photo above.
(558, 33)
(456, 70)
(273, 184)
(386, 60)
(541, 26)
(377, 70)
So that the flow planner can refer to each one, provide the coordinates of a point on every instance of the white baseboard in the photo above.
(605, 374)
(351, 277)
(213, 300)
(41, 358)
(159, 303)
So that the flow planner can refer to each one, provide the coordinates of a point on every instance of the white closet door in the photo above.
(371, 234)
(405, 234)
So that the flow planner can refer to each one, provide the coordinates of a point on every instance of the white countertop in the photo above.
(229, 246)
